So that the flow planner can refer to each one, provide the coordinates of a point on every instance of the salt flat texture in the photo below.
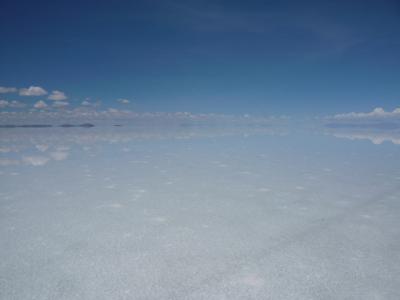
(94, 214)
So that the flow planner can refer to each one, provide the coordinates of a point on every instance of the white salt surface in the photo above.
(257, 217)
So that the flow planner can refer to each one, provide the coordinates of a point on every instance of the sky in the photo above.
(296, 58)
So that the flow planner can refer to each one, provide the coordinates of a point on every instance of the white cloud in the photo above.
(86, 103)
(4, 90)
(40, 104)
(57, 96)
(377, 113)
(33, 91)
(123, 101)
(60, 104)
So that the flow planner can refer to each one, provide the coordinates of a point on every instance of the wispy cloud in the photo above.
(32, 91)
(123, 101)
(16, 104)
(60, 104)
(327, 35)
(11, 104)
(5, 90)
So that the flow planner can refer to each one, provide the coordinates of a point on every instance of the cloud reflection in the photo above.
(377, 126)
(39, 146)
(374, 135)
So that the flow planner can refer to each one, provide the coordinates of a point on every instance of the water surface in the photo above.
(186, 213)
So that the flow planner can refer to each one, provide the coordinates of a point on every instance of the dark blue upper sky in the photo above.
(266, 57)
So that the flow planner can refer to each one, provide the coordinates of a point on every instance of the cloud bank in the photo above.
(377, 118)
(377, 114)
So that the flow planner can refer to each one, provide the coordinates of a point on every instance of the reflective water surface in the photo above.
(199, 213)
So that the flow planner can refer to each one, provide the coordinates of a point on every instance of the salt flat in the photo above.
(113, 213)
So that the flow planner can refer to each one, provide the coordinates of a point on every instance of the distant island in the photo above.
(86, 125)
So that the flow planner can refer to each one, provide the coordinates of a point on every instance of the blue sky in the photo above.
(300, 58)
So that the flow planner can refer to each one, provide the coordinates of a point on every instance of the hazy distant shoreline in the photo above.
(85, 125)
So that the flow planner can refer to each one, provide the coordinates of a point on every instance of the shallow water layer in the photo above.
(143, 213)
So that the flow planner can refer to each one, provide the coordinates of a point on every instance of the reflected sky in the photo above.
(199, 213)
